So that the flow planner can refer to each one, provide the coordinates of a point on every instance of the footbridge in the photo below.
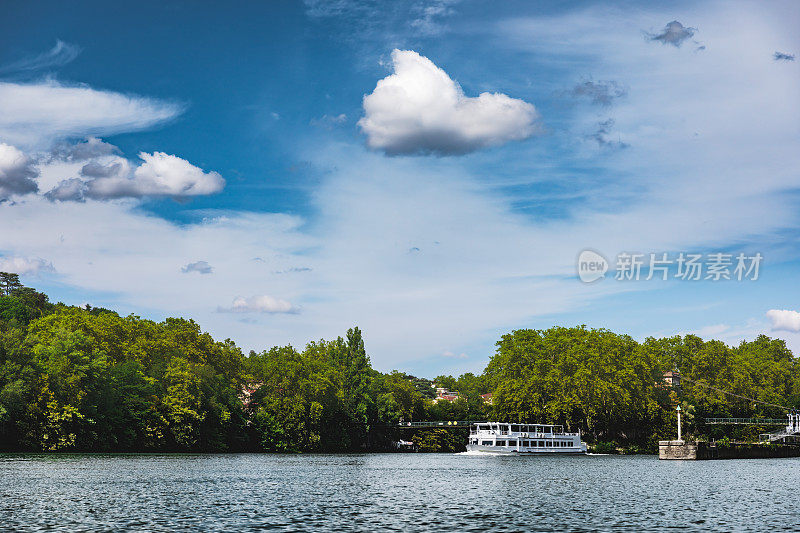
(746, 421)
(791, 425)
(439, 424)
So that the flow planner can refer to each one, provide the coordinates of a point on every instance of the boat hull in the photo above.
(504, 450)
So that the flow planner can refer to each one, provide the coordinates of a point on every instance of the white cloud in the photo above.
(25, 265)
(159, 175)
(784, 320)
(453, 355)
(259, 304)
(420, 110)
(33, 115)
(17, 172)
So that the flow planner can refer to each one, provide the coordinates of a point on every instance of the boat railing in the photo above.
(523, 435)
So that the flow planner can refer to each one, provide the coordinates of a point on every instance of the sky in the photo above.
(433, 172)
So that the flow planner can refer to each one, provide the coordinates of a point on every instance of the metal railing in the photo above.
(441, 424)
(778, 435)
(748, 421)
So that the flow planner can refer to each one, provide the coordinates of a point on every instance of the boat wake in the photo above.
(475, 452)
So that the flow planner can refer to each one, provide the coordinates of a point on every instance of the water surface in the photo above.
(394, 492)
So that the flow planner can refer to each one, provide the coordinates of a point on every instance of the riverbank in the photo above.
(701, 450)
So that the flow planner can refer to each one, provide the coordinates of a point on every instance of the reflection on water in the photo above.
(401, 492)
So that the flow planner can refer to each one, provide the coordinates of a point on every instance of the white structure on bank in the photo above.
(792, 429)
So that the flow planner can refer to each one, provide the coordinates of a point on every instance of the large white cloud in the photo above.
(17, 172)
(160, 174)
(33, 115)
(420, 110)
(784, 320)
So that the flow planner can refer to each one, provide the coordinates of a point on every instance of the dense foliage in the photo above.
(88, 379)
(612, 388)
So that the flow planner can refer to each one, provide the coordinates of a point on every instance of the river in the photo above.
(394, 492)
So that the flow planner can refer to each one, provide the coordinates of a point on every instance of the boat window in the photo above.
(548, 443)
(501, 443)
(486, 443)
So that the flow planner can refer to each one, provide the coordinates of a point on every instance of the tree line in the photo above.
(87, 379)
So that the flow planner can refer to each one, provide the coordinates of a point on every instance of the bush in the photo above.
(604, 447)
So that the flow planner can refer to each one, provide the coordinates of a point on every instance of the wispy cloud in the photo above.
(603, 135)
(61, 54)
(674, 33)
(328, 122)
(430, 16)
(368, 19)
(38, 114)
(293, 270)
(259, 304)
(782, 56)
(25, 265)
(201, 267)
(599, 93)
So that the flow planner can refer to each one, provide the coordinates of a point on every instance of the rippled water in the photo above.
(400, 492)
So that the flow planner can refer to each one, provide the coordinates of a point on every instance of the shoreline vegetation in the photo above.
(85, 379)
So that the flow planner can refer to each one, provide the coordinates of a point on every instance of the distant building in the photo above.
(442, 394)
(247, 391)
(487, 398)
(672, 378)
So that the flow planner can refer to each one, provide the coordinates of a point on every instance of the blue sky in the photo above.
(429, 171)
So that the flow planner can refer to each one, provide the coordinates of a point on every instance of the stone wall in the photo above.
(677, 449)
(689, 451)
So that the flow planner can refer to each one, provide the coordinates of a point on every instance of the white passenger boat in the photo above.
(533, 439)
